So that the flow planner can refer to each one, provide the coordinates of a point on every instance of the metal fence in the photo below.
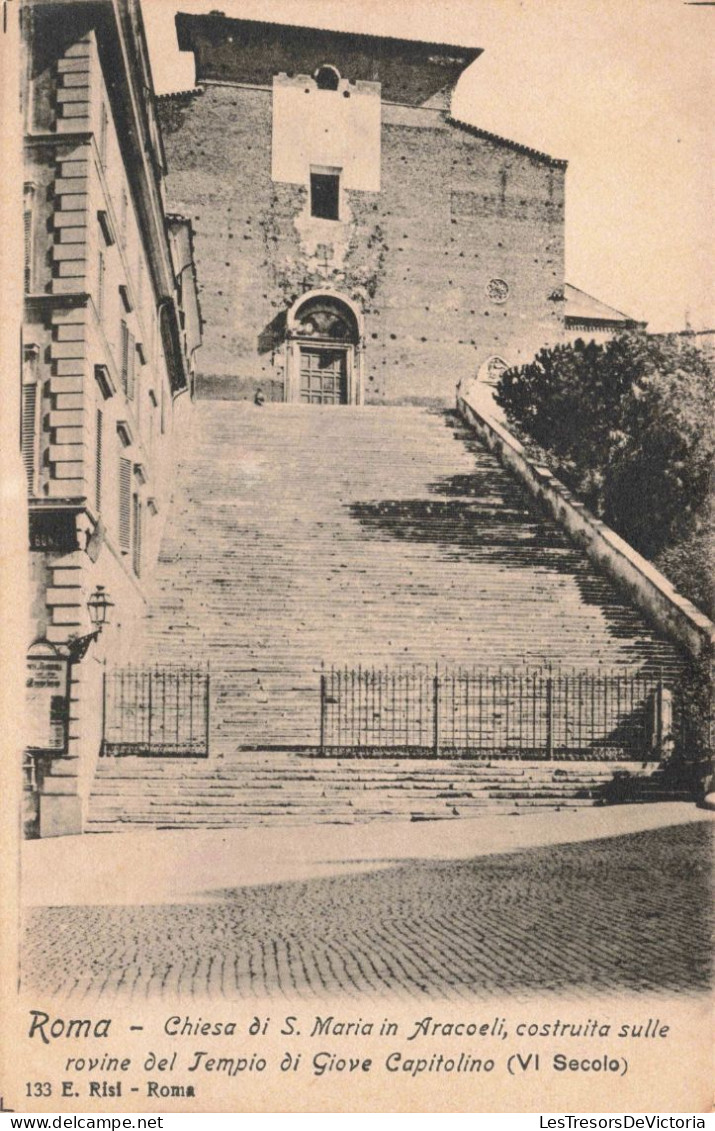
(160, 711)
(473, 712)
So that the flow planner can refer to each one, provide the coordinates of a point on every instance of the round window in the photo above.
(497, 290)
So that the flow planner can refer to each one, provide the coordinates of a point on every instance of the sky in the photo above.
(622, 89)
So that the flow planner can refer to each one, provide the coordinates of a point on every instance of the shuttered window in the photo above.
(100, 285)
(124, 346)
(28, 233)
(129, 360)
(27, 225)
(103, 123)
(140, 279)
(98, 463)
(123, 210)
(137, 535)
(29, 433)
(131, 364)
(125, 504)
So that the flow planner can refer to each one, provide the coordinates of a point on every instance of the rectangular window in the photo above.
(124, 351)
(325, 195)
(123, 210)
(28, 431)
(100, 285)
(151, 418)
(98, 463)
(103, 123)
(129, 359)
(131, 364)
(27, 225)
(137, 384)
(106, 228)
(125, 504)
(136, 535)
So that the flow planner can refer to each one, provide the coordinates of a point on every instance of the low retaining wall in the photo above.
(647, 588)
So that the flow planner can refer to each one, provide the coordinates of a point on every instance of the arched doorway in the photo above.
(323, 351)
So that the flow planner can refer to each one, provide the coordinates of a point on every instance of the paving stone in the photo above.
(574, 919)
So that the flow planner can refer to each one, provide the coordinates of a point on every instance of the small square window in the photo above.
(325, 195)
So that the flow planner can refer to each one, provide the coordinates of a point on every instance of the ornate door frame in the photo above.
(296, 336)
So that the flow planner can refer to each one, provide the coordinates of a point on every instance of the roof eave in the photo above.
(518, 147)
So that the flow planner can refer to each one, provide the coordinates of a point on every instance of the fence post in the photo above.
(549, 717)
(104, 708)
(323, 710)
(149, 708)
(664, 722)
(208, 709)
(435, 714)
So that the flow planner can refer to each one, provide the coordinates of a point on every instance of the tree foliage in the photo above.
(629, 426)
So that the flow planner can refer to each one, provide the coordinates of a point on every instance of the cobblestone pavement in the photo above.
(629, 913)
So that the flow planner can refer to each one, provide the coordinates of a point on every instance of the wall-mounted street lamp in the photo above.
(98, 605)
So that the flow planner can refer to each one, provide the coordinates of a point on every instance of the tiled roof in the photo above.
(505, 141)
(191, 93)
(582, 307)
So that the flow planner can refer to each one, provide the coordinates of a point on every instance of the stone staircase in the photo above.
(374, 536)
(251, 788)
(381, 537)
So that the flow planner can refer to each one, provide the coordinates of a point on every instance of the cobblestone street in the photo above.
(622, 914)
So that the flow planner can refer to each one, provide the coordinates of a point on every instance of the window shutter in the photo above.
(27, 225)
(100, 285)
(125, 504)
(98, 463)
(103, 123)
(131, 363)
(28, 197)
(124, 207)
(125, 355)
(28, 433)
(137, 536)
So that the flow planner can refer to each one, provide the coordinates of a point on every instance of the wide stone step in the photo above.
(286, 789)
(381, 537)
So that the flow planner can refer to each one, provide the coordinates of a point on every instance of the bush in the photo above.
(629, 426)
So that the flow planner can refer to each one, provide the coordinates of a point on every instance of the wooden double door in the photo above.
(323, 375)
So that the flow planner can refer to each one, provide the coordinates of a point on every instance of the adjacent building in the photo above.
(110, 328)
(591, 320)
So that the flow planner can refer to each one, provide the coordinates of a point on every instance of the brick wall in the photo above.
(456, 210)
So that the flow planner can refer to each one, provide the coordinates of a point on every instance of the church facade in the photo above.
(355, 242)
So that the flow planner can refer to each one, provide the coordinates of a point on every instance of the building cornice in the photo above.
(574, 323)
